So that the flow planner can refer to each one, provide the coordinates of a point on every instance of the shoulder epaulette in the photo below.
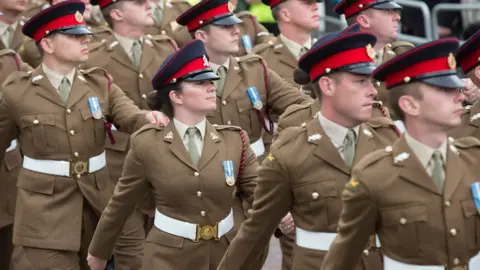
(96, 45)
(295, 108)
(378, 122)
(162, 38)
(101, 29)
(249, 58)
(465, 142)
(261, 47)
(289, 134)
(178, 2)
(401, 43)
(7, 52)
(99, 71)
(16, 76)
(373, 157)
(227, 127)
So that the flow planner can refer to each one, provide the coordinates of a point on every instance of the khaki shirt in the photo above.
(4, 35)
(127, 44)
(182, 132)
(215, 67)
(294, 47)
(308, 186)
(424, 153)
(18, 37)
(391, 195)
(32, 111)
(56, 78)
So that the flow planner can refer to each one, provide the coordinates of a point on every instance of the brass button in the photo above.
(403, 221)
(456, 261)
(229, 122)
(163, 32)
(72, 132)
(76, 154)
(203, 213)
(447, 203)
(314, 195)
(35, 121)
(144, 96)
(453, 232)
(366, 252)
(199, 193)
(140, 76)
(196, 174)
(224, 102)
(69, 111)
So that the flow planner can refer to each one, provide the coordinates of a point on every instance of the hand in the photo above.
(157, 118)
(287, 225)
(96, 263)
(471, 91)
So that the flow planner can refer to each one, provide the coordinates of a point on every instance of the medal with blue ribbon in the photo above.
(255, 98)
(247, 43)
(228, 171)
(476, 195)
(95, 107)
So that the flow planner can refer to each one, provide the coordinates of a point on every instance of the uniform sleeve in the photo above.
(357, 223)
(8, 129)
(130, 190)
(247, 180)
(126, 116)
(271, 204)
(282, 94)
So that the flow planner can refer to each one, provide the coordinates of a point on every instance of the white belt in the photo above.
(400, 126)
(317, 240)
(12, 146)
(391, 264)
(63, 168)
(192, 231)
(258, 147)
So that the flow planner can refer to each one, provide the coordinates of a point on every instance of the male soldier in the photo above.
(467, 58)
(381, 18)
(29, 51)
(295, 38)
(9, 62)
(309, 184)
(59, 115)
(11, 23)
(419, 194)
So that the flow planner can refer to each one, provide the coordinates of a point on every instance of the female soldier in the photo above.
(192, 188)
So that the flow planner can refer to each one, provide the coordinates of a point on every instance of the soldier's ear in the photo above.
(175, 97)
(476, 80)
(201, 35)
(409, 105)
(327, 86)
(116, 14)
(47, 45)
(363, 20)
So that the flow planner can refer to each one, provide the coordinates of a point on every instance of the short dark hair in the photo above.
(160, 99)
(397, 92)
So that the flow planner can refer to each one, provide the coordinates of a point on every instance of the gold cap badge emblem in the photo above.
(452, 62)
(79, 17)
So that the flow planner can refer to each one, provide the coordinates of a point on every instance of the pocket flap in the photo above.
(13, 159)
(314, 191)
(162, 238)
(121, 141)
(37, 119)
(403, 215)
(244, 104)
(36, 182)
(469, 208)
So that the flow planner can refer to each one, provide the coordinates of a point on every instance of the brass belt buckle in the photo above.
(78, 168)
(206, 232)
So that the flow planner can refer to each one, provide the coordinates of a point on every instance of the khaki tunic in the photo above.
(470, 123)
(158, 162)
(392, 195)
(30, 54)
(257, 33)
(235, 107)
(18, 37)
(136, 83)
(9, 62)
(309, 187)
(171, 11)
(49, 208)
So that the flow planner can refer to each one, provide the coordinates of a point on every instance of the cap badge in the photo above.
(370, 51)
(205, 61)
(78, 17)
(452, 63)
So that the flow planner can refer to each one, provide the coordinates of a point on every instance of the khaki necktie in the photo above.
(220, 83)
(64, 89)
(158, 14)
(192, 148)
(136, 53)
(9, 36)
(438, 174)
(349, 148)
(303, 51)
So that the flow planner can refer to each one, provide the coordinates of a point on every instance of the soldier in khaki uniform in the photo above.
(467, 58)
(34, 7)
(29, 51)
(381, 18)
(419, 194)
(309, 184)
(192, 170)
(11, 22)
(132, 58)
(9, 62)
(59, 115)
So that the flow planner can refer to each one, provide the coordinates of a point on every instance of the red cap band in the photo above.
(345, 58)
(274, 3)
(196, 64)
(470, 61)
(202, 18)
(104, 3)
(425, 67)
(357, 7)
(60, 22)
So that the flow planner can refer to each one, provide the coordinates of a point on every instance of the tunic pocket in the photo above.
(40, 130)
(472, 224)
